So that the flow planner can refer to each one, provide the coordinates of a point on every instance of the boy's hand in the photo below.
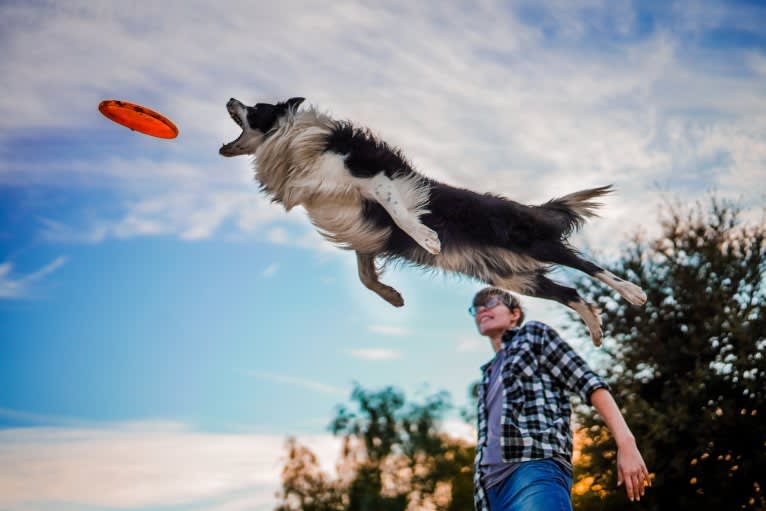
(631, 470)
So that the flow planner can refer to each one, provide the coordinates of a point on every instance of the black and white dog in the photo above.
(363, 195)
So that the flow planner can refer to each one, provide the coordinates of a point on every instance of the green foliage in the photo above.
(394, 458)
(688, 369)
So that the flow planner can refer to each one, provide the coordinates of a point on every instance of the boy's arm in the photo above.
(631, 468)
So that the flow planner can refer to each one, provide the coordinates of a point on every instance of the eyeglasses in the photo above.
(491, 303)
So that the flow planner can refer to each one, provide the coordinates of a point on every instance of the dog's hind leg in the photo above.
(543, 287)
(559, 253)
(385, 192)
(368, 274)
(540, 286)
(628, 290)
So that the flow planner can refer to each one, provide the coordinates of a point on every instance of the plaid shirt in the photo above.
(540, 372)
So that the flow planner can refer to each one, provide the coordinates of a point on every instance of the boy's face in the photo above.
(493, 316)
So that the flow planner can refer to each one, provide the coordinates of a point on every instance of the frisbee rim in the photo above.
(108, 107)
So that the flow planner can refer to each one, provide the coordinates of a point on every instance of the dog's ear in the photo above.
(292, 103)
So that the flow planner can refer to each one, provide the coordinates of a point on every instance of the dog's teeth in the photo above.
(236, 119)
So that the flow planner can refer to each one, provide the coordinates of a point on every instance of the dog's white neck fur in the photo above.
(291, 154)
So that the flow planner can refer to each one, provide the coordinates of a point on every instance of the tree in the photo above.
(305, 487)
(395, 458)
(688, 369)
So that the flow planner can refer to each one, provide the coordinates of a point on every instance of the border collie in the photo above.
(363, 195)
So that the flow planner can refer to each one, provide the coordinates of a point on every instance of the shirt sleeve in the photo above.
(567, 367)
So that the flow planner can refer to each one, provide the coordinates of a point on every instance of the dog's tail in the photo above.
(571, 211)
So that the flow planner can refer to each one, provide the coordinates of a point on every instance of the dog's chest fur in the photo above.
(295, 168)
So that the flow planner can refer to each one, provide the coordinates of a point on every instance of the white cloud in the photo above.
(270, 270)
(17, 416)
(300, 382)
(396, 331)
(278, 236)
(376, 354)
(483, 98)
(145, 464)
(12, 286)
(189, 215)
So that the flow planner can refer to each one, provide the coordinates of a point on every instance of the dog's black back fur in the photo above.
(460, 217)
(365, 155)
(466, 219)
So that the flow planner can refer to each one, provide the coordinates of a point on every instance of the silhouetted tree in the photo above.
(305, 487)
(395, 458)
(688, 369)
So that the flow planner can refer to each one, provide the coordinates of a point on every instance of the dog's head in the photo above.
(256, 123)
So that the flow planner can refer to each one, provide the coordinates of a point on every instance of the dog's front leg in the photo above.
(383, 190)
(368, 274)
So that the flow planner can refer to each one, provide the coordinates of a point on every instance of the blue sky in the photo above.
(161, 322)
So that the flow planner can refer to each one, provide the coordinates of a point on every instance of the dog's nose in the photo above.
(234, 104)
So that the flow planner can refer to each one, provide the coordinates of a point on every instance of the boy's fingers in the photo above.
(629, 488)
(638, 486)
(647, 477)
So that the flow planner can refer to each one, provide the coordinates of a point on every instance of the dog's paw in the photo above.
(632, 293)
(591, 315)
(391, 295)
(428, 239)
(596, 335)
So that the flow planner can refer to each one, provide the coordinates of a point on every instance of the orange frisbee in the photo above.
(138, 118)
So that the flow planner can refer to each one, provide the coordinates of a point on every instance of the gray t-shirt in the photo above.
(493, 469)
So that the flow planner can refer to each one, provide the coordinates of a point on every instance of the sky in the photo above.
(164, 327)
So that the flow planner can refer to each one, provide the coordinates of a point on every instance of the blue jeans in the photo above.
(538, 485)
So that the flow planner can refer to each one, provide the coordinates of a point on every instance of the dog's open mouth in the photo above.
(236, 118)
(235, 109)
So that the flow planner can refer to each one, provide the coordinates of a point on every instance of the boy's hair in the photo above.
(509, 300)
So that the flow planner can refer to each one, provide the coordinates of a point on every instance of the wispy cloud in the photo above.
(145, 464)
(577, 95)
(299, 382)
(395, 331)
(189, 215)
(14, 417)
(376, 354)
(270, 270)
(12, 286)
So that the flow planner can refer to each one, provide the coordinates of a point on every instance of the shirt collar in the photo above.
(506, 341)
(508, 336)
